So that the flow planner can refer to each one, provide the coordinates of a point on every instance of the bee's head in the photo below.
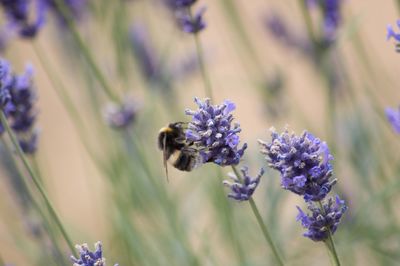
(177, 126)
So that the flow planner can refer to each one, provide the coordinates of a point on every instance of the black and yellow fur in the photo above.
(171, 140)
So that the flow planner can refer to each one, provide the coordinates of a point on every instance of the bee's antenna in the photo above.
(165, 156)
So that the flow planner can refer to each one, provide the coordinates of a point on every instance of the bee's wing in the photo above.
(198, 159)
(165, 156)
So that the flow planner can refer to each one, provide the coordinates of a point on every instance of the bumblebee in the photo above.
(180, 153)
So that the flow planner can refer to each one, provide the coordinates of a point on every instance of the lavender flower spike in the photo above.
(243, 188)
(303, 162)
(212, 132)
(393, 115)
(320, 222)
(89, 258)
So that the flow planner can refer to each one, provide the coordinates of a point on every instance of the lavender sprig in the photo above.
(322, 221)
(304, 164)
(4, 72)
(243, 188)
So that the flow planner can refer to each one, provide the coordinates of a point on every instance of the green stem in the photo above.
(261, 223)
(200, 58)
(329, 243)
(62, 94)
(35, 180)
(308, 22)
(61, 6)
(398, 5)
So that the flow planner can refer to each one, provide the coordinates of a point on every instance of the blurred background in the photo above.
(108, 183)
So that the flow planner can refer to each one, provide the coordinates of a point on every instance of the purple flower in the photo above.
(243, 188)
(193, 24)
(144, 52)
(332, 18)
(18, 16)
(391, 34)
(17, 96)
(5, 82)
(320, 221)
(211, 130)
(89, 258)
(21, 108)
(121, 116)
(393, 115)
(303, 162)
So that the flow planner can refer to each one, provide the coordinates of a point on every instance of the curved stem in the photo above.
(85, 50)
(261, 223)
(36, 182)
(329, 243)
(200, 58)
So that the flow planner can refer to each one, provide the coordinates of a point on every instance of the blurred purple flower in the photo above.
(321, 221)
(18, 96)
(211, 130)
(89, 258)
(393, 116)
(5, 83)
(332, 18)
(303, 162)
(174, 4)
(391, 34)
(193, 23)
(144, 52)
(121, 116)
(242, 190)
(18, 16)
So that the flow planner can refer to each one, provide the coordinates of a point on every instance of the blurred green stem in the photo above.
(46, 224)
(85, 50)
(329, 243)
(308, 22)
(200, 58)
(35, 180)
(134, 147)
(398, 5)
(324, 69)
(261, 223)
